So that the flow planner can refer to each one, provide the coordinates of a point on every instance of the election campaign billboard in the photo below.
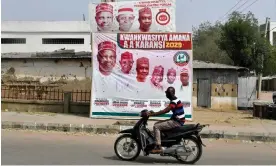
(133, 16)
(131, 72)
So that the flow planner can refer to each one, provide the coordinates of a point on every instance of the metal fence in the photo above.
(45, 95)
(80, 96)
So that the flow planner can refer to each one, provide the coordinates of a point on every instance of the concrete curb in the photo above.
(114, 129)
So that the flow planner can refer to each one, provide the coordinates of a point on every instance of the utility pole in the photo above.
(261, 73)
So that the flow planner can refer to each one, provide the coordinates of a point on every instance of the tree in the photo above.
(238, 37)
(261, 55)
(270, 62)
(244, 44)
(204, 44)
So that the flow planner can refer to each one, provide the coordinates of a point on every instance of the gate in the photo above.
(204, 93)
(246, 92)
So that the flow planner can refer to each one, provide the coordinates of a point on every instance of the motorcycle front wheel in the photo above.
(126, 144)
(191, 149)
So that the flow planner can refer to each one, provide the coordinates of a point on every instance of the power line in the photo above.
(242, 5)
(231, 9)
(249, 5)
(272, 29)
(237, 8)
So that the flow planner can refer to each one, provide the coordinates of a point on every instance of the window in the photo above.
(274, 38)
(13, 40)
(62, 41)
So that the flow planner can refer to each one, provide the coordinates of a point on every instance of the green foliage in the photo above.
(270, 62)
(238, 37)
(237, 42)
(204, 44)
(244, 44)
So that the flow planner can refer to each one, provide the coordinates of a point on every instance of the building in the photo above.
(44, 36)
(215, 85)
(271, 35)
(47, 66)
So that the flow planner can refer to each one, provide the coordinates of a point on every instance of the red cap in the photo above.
(158, 70)
(145, 10)
(171, 70)
(142, 60)
(106, 45)
(104, 7)
(126, 55)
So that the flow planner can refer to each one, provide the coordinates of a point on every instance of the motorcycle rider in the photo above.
(177, 119)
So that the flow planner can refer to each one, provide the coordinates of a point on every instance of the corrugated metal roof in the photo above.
(208, 65)
(55, 54)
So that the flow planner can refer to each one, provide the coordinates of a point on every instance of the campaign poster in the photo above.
(131, 72)
(132, 16)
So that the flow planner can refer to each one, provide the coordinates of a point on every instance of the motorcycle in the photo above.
(173, 142)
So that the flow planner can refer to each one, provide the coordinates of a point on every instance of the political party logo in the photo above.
(181, 58)
(163, 17)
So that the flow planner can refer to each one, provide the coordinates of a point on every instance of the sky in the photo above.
(189, 13)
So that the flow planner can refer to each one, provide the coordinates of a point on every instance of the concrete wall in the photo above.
(34, 31)
(44, 69)
(223, 96)
(218, 103)
(44, 106)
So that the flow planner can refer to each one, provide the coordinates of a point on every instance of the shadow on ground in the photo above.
(147, 160)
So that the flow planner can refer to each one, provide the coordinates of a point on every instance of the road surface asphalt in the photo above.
(53, 148)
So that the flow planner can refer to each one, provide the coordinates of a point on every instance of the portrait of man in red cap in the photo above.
(104, 17)
(171, 75)
(126, 62)
(157, 77)
(106, 57)
(125, 18)
(145, 19)
(142, 69)
(184, 77)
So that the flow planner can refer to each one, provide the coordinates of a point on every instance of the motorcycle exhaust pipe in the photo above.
(184, 153)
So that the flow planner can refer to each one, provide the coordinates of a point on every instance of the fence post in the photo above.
(67, 100)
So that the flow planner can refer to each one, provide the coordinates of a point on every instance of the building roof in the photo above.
(208, 65)
(45, 26)
(58, 54)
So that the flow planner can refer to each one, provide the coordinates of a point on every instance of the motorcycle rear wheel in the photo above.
(119, 155)
(199, 153)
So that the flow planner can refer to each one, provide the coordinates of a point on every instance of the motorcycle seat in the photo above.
(184, 128)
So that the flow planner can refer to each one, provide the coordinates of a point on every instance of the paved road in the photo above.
(27, 147)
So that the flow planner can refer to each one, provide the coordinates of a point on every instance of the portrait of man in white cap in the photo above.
(157, 77)
(125, 18)
(171, 75)
(184, 78)
(104, 17)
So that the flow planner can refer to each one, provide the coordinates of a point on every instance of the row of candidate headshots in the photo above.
(104, 18)
(106, 58)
